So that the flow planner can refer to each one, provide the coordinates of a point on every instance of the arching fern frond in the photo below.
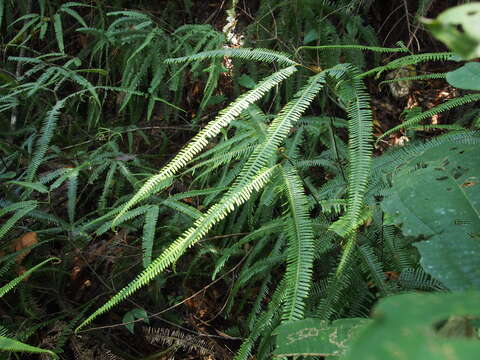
(199, 141)
(409, 60)
(355, 47)
(448, 105)
(262, 55)
(300, 250)
(280, 128)
(9, 286)
(415, 78)
(200, 228)
(21, 209)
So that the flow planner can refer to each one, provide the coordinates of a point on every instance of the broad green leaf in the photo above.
(459, 28)
(315, 337)
(130, 317)
(310, 36)
(437, 196)
(246, 81)
(467, 77)
(404, 327)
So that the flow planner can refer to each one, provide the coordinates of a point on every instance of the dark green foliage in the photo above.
(158, 157)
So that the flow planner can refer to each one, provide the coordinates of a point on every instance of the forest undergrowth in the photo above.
(239, 179)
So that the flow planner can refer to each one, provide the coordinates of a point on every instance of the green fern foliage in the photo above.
(200, 228)
(448, 105)
(261, 55)
(357, 101)
(200, 141)
(300, 251)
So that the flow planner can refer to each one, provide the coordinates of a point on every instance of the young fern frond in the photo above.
(359, 112)
(262, 55)
(200, 141)
(300, 250)
(200, 228)
(448, 105)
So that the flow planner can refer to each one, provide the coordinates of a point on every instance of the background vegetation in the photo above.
(239, 179)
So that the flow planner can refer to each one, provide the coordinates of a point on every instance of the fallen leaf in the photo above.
(25, 241)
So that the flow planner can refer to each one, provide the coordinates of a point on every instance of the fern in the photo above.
(49, 125)
(338, 280)
(448, 105)
(263, 323)
(262, 55)
(21, 209)
(151, 218)
(201, 139)
(359, 148)
(415, 78)
(355, 47)
(409, 60)
(8, 287)
(216, 213)
(300, 247)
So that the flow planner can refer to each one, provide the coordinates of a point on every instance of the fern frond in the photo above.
(102, 202)
(339, 280)
(264, 321)
(192, 235)
(6, 288)
(199, 142)
(300, 250)
(375, 270)
(415, 78)
(186, 209)
(448, 105)
(272, 227)
(409, 60)
(129, 215)
(178, 339)
(21, 209)
(151, 218)
(355, 47)
(72, 196)
(49, 125)
(262, 55)
(280, 128)
(418, 279)
(359, 149)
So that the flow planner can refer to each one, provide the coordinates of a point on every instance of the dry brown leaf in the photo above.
(24, 241)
